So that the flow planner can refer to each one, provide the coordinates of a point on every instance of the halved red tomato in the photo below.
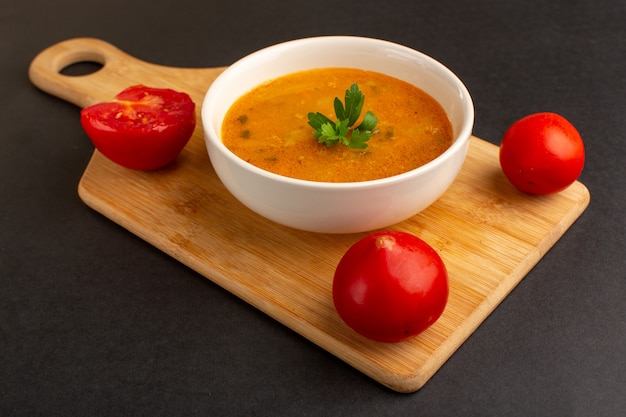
(144, 128)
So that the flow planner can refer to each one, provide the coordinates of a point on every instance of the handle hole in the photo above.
(81, 68)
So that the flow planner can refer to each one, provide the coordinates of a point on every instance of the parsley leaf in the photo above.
(330, 133)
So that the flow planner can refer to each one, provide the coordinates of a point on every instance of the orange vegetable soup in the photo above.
(268, 126)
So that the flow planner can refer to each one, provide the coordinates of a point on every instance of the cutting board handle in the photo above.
(45, 70)
(119, 70)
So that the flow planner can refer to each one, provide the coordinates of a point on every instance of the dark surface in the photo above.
(94, 321)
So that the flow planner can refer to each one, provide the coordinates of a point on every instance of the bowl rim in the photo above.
(460, 139)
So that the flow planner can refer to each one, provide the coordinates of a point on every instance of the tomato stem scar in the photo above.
(385, 242)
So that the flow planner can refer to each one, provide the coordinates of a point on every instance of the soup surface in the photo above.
(268, 126)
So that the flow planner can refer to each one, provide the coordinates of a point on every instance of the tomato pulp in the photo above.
(390, 286)
(542, 153)
(144, 128)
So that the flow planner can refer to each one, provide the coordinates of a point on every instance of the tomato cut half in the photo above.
(144, 128)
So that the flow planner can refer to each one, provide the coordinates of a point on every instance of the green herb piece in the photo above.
(330, 133)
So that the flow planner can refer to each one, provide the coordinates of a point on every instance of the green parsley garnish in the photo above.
(329, 132)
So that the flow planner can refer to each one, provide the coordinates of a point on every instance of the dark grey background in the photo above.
(94, 321)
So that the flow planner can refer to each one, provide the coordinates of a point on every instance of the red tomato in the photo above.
(143, 128)
(390, 286)
(542, 153)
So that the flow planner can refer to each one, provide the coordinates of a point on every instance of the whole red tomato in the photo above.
(390, 286)
(542, 153)
(143, 128)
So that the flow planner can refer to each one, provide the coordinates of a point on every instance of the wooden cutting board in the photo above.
(488, 234)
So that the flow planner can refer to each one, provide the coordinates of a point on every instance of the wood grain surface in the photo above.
(488, 233)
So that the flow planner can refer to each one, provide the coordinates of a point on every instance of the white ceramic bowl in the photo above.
(338, 207)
